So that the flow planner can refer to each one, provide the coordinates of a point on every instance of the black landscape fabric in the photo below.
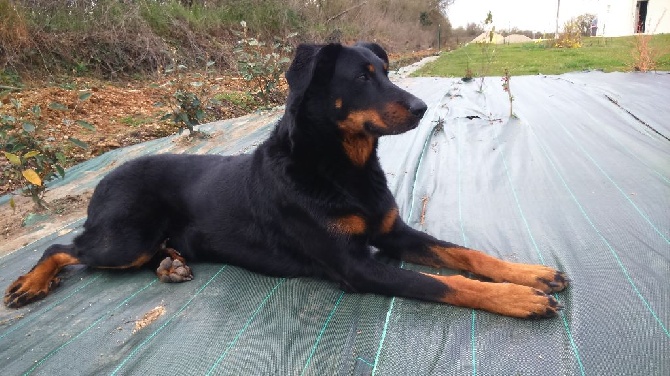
(578, 179)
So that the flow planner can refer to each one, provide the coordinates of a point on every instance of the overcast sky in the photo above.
(536, 15)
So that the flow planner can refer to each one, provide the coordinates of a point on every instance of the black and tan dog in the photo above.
(310, 201)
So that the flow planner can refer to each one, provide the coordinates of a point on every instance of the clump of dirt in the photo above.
(148, 318)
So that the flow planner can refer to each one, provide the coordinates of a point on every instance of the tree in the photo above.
(584, 23)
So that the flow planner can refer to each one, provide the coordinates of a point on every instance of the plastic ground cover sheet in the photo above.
(579, 180)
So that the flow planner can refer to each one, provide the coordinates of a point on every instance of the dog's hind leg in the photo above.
(42, 278)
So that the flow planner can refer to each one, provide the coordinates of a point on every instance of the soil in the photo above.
(123, 114)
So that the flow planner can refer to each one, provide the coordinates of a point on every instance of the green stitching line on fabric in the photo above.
(50, 354)
(537, 250)
(473, 323)
(364, 361)
(318, 338)
(381, 341)
(609, 246)
(402, 264)
(612, 181)
(150, 337)
(244, 328)
(49, 308)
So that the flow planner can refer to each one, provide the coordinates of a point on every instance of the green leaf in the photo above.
(85, 95)
(13, 158)
(199, 115)
(61, 157)
(7, 119)
(58, 106)
(28, 127)
(78, 142)
(60, 170)
(30, 154)
(16, 103)
(12, 203)
(182, 117)
(32, 176)
(86, 125)
(36, 110)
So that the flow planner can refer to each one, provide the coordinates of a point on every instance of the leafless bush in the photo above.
(112, 37)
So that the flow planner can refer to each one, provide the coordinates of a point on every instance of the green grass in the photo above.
(137, 120)
(607, 54)
(244, 100)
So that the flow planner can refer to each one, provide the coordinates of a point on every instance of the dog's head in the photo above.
(348, 87)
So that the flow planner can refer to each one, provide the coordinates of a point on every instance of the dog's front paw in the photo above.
(553, 281)
(523, 302)
(27, 289)
(171, 270)
(543, 278)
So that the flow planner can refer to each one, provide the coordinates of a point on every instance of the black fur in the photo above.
(270, 211)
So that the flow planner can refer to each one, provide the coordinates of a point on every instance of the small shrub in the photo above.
(644, 56)
(468, 74)
(262, 64)
(571, 37)
(488, 50)
(192, 102)
(505, 84)
(27, 159)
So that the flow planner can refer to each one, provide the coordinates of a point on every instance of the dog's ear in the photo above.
(312, 64)
(376, 49)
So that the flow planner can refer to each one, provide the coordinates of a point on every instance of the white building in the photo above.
(626, 17)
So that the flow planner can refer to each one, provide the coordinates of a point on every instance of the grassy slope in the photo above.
(607, 54)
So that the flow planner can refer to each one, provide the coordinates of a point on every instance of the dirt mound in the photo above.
(517, 38)
(486, 38)
(499, 39)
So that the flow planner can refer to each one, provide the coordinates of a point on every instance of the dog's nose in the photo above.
(417, 107)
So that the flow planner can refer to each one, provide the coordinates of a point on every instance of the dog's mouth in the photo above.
(391, 119)
(391, 128)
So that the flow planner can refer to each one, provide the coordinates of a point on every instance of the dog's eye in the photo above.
(365, 76)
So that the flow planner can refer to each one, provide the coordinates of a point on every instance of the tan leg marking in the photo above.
(540, 277)
(502, 298)
(388, 221)
(37, 283)
(349, 225)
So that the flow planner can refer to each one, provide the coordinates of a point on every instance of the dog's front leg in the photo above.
(371, 276)
(404, 243)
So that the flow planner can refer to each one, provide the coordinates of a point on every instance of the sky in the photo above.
(536, 15)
